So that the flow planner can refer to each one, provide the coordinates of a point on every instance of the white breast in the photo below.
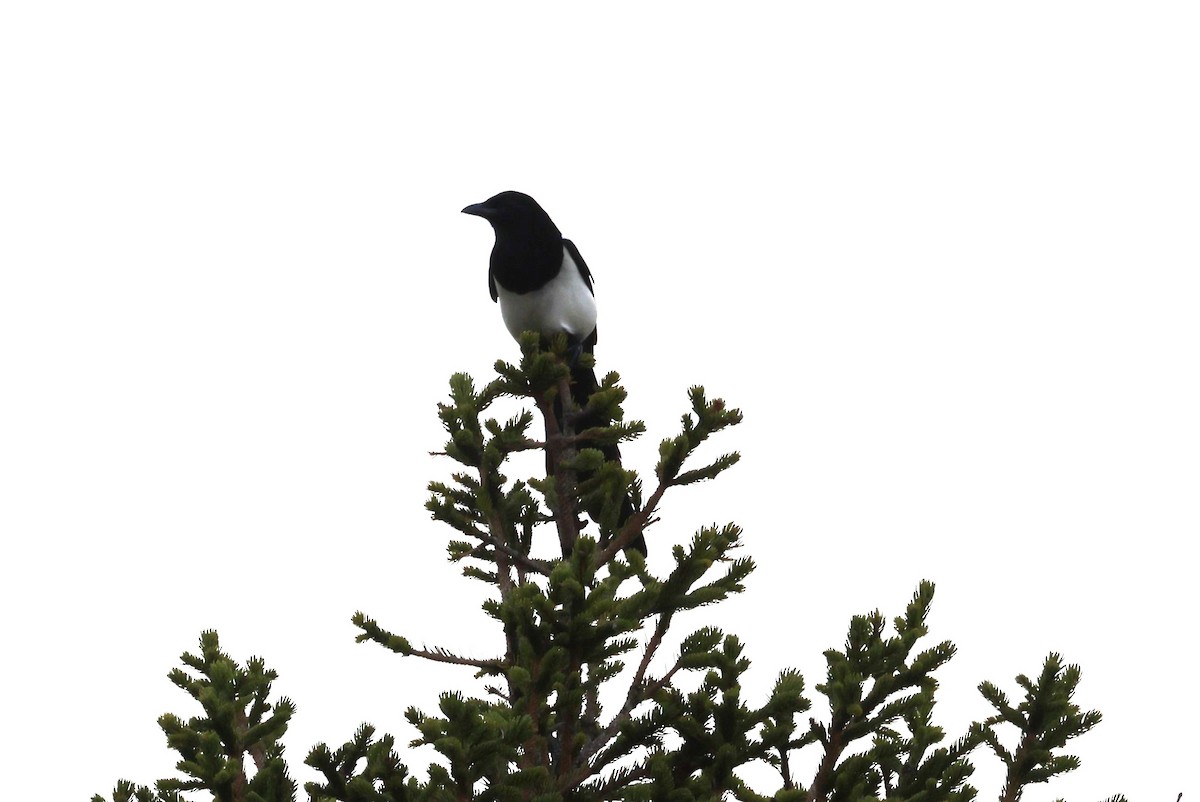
(565, 304)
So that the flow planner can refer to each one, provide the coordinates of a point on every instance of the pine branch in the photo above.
(237, 722)
(1047, 719)
(708, 417)
(884, 662)
(623, 717)
(363, 769)
(515, 555)
(371, 631)
(638, 692)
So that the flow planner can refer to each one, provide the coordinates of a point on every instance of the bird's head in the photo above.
(515, 214)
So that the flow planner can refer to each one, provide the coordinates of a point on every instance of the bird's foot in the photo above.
(574, 351)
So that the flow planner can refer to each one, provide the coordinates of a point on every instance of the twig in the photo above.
(593, 746)
(636, 523)
(631, 698)
(660, 629)
(521, 559)
(604, 788)
(818, 792)
(439, 655)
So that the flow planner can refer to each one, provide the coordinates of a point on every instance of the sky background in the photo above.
(943, 256)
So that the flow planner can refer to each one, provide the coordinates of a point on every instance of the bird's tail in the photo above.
(583, 384)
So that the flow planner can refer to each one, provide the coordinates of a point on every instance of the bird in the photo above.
(542, 284)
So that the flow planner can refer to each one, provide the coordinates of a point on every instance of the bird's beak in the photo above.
(477, 209)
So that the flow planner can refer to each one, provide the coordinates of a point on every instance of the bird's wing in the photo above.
(582, 265)
(592, 338)
(492, 285)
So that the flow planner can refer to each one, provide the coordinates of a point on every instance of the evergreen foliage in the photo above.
(569, 707)
(238, 722)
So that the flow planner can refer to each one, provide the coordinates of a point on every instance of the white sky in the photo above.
(943, 256)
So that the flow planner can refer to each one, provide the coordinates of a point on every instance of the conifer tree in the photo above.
(569, 708)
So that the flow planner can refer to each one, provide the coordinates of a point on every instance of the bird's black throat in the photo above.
(523, 263)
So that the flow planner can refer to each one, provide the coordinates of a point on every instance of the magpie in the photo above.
(542, 284)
